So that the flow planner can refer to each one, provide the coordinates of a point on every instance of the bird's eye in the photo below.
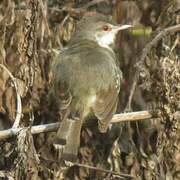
(106, 28)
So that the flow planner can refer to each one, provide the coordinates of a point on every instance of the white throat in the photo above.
(106, 40)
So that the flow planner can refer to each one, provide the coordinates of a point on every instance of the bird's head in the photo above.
(99, 28)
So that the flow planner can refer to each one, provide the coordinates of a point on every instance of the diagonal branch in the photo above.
(146, 50)
(117, 174)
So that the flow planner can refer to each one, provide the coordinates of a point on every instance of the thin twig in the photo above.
(135, 116)
(124, 117)
(145, 52)
(70, 164)
(120, 175)
(61, 26)
(92, 3)
(19, 104)
(44, 15)
(157, 38)
(128, 106)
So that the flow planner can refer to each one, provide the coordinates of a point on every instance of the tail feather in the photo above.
(62, 133)
(70, 150)
(63, 130)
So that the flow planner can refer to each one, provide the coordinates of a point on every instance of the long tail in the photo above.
(68, 139)
(62, 133)
(70, 150)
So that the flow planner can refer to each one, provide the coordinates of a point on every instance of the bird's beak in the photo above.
(122, 27)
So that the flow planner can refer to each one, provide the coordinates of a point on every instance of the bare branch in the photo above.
(124, 117)
(135, 116)
(19, 105)
(44, 15)
(145, 52)
(119, 175)
(157, 38)
(92, 3)
(114, 173)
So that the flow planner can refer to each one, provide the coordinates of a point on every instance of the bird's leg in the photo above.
(70, 150)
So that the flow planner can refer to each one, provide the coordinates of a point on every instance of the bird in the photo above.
(86, 79)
